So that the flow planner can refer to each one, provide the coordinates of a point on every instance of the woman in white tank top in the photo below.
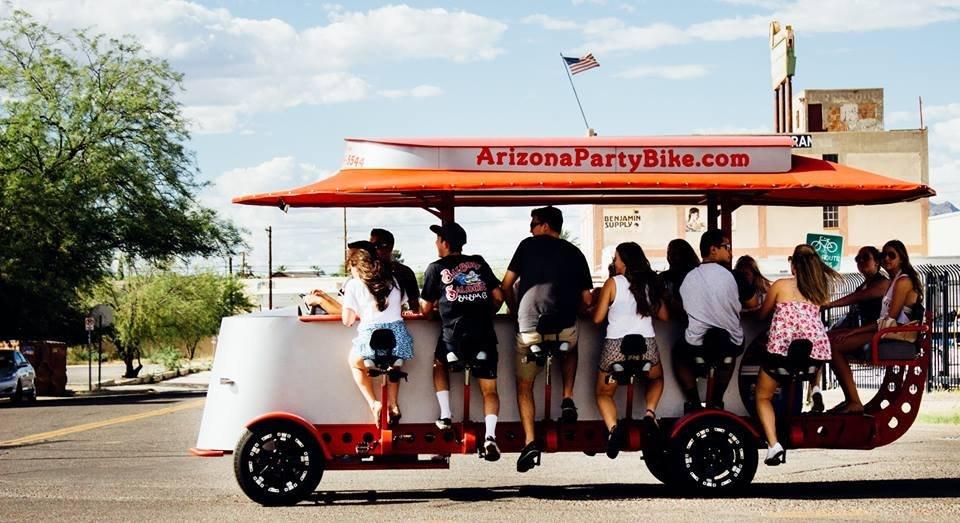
(628, 301)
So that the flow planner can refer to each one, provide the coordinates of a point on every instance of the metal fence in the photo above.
(941, 285)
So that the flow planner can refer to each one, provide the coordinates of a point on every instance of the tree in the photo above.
(93, 165)
(166, 307)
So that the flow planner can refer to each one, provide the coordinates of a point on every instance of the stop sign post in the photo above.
(88, 325)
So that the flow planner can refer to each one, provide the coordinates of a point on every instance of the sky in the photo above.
(272, 88)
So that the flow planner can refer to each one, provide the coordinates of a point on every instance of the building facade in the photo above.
(844, 126)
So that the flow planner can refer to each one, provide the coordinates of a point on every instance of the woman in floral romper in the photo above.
(795, 303)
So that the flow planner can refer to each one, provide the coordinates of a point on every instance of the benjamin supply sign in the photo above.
(621, 225)
(828, 246)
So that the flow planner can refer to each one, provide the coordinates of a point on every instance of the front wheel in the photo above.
(17, 394)
(715, 455)
(278, 463)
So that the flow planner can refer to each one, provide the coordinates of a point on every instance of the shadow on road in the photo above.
(826, 490)
(151, 396)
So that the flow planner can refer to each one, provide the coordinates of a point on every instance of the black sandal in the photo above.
(529, 457)
(568, 411)
(393, 417)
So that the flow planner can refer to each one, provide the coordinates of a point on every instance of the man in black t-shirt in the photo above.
(554, 278)
(467, 294)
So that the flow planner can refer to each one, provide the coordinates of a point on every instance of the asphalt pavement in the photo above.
(125, 458)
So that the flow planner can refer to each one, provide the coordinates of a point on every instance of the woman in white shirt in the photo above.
(374, 298)
(628, 302)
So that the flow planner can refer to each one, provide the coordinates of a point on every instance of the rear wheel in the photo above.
(713, 455)
(278, 463)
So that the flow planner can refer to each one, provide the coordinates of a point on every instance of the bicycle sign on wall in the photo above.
(828, 246)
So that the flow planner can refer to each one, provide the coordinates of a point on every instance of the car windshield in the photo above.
(6, 360)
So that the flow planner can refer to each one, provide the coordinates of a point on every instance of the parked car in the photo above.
(17, 377)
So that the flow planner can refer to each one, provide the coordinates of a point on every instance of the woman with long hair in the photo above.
(902, 295)
(795, 303)
(758, 284)
(681, 259)
(629, 300)
(374, 298)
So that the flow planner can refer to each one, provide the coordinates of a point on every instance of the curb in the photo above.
(142, 380)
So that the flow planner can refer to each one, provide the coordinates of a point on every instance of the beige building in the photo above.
(844, 126)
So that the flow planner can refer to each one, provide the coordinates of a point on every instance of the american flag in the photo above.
(579, 65)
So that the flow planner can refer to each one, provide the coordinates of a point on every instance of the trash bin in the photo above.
(49, 360)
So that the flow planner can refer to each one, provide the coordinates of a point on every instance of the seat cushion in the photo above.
(892, 350)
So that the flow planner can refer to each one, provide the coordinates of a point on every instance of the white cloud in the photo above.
(548, 22)
(238, 66)
(808, 16)
(668, 72)
(420, 91)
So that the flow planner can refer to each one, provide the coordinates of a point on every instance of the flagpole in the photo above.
(575, 95)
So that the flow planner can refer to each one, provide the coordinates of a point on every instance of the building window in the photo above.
(831, 217)
(815, 118)
(835, 158)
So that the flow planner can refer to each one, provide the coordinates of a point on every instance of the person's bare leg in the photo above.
(393, 392)
(568, 369)
(654, 388)
(685, 377)
(441, 378)
(722, 377)
(363, 381)
(491, 400)
(605, 403)
(766, 386)
(527, 409)
(841, 366)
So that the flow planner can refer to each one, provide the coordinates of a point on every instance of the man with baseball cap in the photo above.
(467, 294)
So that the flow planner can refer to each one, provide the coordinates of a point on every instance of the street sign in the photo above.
(828, 246)
(88, 323)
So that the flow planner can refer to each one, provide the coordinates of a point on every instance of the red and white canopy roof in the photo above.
(754, 170)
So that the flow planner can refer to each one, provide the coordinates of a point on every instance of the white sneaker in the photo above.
(491, 452)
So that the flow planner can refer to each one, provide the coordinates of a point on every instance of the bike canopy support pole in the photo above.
(466, 395)
(713, 211)
(630, 392)
(446, 208)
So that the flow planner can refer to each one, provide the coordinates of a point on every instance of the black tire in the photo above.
(713, 455)
(33, 394)
(658, 463)
(278, 463)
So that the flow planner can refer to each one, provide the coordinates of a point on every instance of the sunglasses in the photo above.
(726, 246)
(861, 258)
(890, 254)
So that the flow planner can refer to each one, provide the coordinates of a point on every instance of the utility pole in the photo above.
(230, 266)
(344, 238)
(270, 267)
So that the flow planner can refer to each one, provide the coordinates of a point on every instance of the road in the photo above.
(125, 459)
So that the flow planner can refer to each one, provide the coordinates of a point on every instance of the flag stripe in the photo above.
(579, 65)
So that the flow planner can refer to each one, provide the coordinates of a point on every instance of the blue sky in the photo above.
(274, 87)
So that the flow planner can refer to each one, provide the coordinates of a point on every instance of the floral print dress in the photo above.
(798, 320)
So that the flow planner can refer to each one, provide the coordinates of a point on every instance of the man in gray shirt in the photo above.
(711, 299)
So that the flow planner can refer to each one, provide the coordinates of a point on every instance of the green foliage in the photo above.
(93, 164)
(168, 308)
(80, 354)
(566, 235)
(168, 356)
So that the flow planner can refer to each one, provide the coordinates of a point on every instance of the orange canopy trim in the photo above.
(807, 181)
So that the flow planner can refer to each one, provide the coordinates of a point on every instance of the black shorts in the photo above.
(686, 353)
(485, 371)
